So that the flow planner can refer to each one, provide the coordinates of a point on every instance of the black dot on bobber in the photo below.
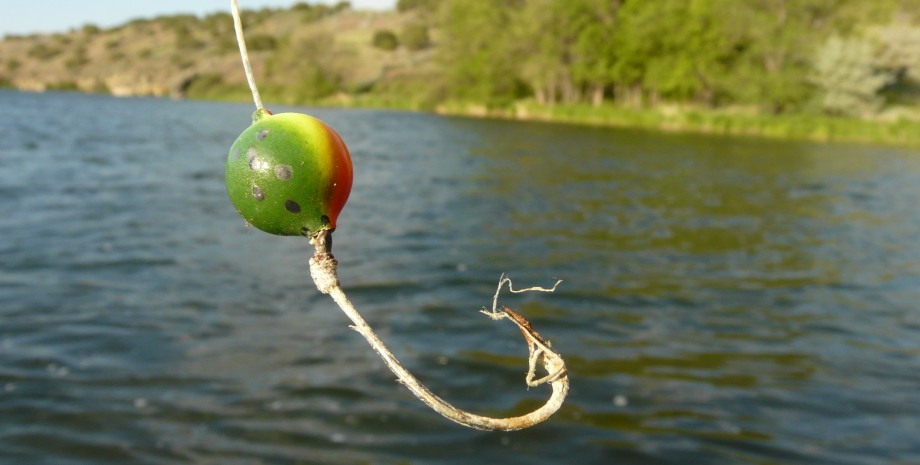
(292, 206)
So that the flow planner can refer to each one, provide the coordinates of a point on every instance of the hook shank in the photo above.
(323, 270)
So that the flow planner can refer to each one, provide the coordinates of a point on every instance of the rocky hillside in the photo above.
(306, 53)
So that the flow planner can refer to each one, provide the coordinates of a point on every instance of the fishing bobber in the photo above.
(289, 174)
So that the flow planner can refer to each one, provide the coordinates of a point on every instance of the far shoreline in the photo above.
(666, 119)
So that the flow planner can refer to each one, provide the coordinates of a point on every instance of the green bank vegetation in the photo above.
(820, 69)
(817, 69)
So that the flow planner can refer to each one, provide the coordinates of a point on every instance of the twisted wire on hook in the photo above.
(323, 269)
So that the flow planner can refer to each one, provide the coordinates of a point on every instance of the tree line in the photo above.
(848, 57)
(837, 57)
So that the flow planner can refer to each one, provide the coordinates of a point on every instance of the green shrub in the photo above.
(185, 40)
(100, 87)
(317, 12)
(63, 85)
(849, 77)
(225, 43)
(406, 5)
(292, 79)
(259, 42)
(415, 37)
(183, 61)
(218, 24)
(385, 39)
(211, 86)
(43, 52)
(206, 81)
(78, 60)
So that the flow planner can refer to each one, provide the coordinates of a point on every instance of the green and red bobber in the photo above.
(289, 174)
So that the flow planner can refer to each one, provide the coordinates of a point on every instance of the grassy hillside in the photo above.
(854, 78)
(302, 54)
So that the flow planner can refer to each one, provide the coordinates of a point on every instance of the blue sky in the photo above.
(28, 16)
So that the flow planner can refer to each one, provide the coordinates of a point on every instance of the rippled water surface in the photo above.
(725, 300)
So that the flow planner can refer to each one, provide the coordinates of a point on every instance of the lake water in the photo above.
(725, 300)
